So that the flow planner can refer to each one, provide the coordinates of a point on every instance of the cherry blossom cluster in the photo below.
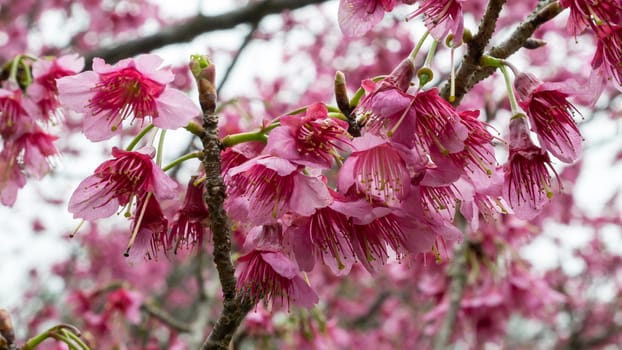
(399, 171)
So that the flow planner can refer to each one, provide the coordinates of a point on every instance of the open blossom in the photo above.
(357, 17)
(116, 181)
(264, 188)
(442, 17)
(550, 115)
(43, 90)
(272, 276)
(528, 184)
(311, 140)
(607, 60)
(132, 88)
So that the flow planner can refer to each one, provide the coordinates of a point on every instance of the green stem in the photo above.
(333, 109)
(160, 147)
(232, 140)
(14, 66)
(180, 160)
(139, 137)
(337, 115)
(194, 128)
(76, 339)
(431, 52)
(415, 51)
(508, 86)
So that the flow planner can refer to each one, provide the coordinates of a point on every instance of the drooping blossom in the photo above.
(550, 114)
(390, 233)
(266, 273)
(191, 220)
(134, 88)
(357, 17)
(35, 150)
(325, 235)
(528, 184)
(238, 154)
(149, 228)
(437, 123)
(477, 160)
(312, 140)
(15, 114)
(607, 60)
(442, 17)
(585, 13)
(264, 188)
(378, 168)
(11, 178)
(43, 89)
(115, 182)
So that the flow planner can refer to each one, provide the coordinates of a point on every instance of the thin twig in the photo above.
(475, 50)
(247, 39)
(476, 73)
(166, 318)
(458, 274)
(200, 24)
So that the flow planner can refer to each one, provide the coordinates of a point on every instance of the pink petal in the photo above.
(175, 109)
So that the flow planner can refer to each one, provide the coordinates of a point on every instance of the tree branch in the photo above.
(473, 74)
(458, 273)
(166, 318)
(475, 49)
(234, 310)
(200, 24)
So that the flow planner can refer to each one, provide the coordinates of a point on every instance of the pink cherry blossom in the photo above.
(116, 181)
(149, 228)
(477, 160)
(442, 17)
(11, 177)
(312, 140)
(43, 90)
(132, 88)
(550, 114)
(264, 188)
(36, 149)
(607, 59)
(357, 17)
(271, 276)
(15, 114)
(325, 235)
(378, 168)
(190, 223)
(528, 184)
(583, 12)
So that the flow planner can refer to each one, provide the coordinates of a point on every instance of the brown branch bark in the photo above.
(234, 310)
(164, 317)
(475, 49)
(458, 274)
(470, 74)
(200, 24)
